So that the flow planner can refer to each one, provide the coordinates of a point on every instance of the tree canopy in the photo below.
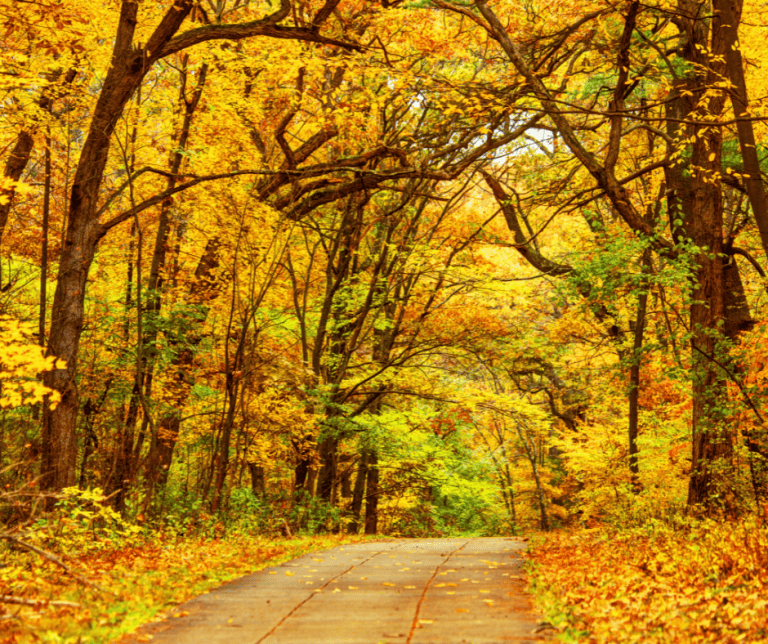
(403, 267)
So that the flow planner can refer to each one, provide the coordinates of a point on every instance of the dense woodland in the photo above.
(404, 267)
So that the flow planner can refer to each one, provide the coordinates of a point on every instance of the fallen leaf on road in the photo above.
(386, 583)
(462, 610)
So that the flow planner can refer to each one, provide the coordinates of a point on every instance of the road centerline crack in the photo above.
(415, 622)
(317, 591)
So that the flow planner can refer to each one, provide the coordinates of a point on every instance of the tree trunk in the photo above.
(329, 459)
(223, 460)
(729, 12)
(711, 438)
(82, 236)
(258, 483)
(358, 493)
(372, 495)
(634, 374)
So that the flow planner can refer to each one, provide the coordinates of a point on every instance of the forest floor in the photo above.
(697, 581)
(409, 591)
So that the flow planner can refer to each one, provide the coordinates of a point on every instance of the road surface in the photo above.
(405, 591)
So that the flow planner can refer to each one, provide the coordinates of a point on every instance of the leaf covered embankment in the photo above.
(137, 581)
(706, 582)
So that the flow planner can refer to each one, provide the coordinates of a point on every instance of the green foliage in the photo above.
(82, 522)
(732, 161)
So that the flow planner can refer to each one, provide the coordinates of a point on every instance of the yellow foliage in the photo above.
(20, 363)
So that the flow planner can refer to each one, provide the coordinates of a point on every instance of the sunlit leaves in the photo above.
(21, 362)
(678, 583)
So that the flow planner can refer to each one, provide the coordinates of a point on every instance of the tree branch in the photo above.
(264, 27)
(522, 245)
(51, 557)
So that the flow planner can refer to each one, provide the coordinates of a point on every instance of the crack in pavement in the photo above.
(315, 593)
(415, 622)
(368, 593)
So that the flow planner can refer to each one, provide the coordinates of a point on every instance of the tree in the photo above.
(694, 104)
(128, 66)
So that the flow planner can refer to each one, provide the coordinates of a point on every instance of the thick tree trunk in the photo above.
(729, 12)
(711, 437)
(82, 235)
(712, 440)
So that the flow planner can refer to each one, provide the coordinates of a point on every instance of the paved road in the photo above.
(406, 591)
